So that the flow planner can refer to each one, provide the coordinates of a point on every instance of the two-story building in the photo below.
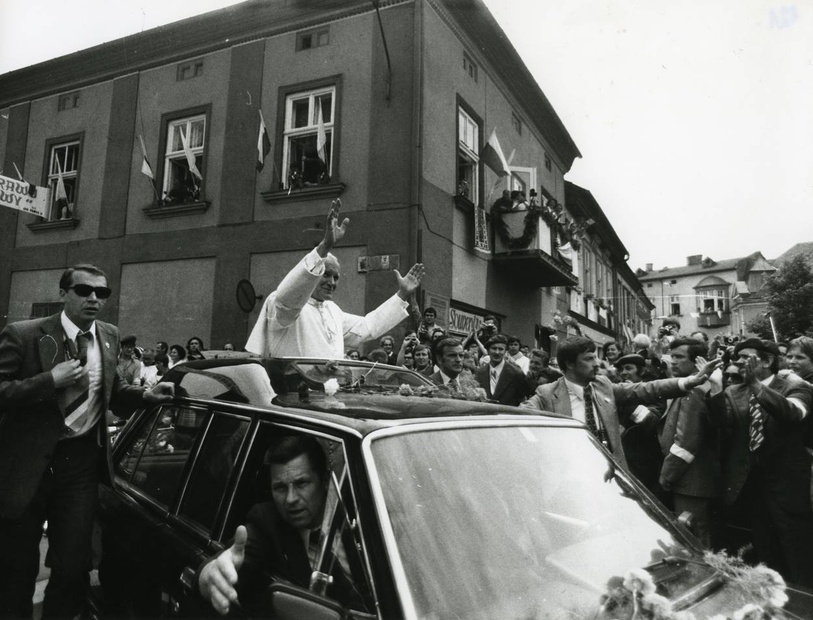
(717, 297)
(149, 147)
(386, 105)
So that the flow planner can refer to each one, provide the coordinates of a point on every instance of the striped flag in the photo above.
(146, 169)
(263, 143)
(321, 136)
(493, 157)
(190, 156)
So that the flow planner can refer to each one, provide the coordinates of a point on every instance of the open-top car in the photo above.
(448, 508)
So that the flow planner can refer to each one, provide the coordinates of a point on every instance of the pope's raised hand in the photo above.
(409, 283)
(333, 230)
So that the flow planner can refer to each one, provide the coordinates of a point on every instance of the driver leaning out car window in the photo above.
(280, 538)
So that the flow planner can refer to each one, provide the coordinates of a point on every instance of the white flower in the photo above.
(331, 386)
(638, 580)
(749, 612)
(777, 597)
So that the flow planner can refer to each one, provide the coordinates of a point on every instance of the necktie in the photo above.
(77, 394)
(590, 415)
(757, 430)
(493, 384)
(313, 547)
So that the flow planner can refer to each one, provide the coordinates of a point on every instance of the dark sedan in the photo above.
(455, 509)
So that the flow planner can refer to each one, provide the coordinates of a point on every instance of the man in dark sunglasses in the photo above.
(57, 380)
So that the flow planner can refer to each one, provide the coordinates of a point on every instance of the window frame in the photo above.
(287, 95)
(463, 150)
(72, 177)
(162, 179)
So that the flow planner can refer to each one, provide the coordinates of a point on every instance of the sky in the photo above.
(694, 118)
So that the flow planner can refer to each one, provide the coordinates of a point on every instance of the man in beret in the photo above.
(765, 468)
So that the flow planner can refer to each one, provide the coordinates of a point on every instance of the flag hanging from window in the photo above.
(321, 136)
(263, 143)
(493, 157)
(146, 169)
(62, 208)
(190, 156)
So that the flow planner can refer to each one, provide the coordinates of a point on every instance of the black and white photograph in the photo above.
(406, 309)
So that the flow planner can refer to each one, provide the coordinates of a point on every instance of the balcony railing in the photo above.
(714, 319)
(524, 245)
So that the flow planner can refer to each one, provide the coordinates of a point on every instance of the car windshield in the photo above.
(353, 375)
(518, 522)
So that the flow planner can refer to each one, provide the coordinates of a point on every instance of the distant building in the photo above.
(717, 297)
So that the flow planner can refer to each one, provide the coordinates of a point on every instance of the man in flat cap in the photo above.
(129, 368)
(765, 467)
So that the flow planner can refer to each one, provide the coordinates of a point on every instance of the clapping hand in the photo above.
(408, 284)
(704, 370)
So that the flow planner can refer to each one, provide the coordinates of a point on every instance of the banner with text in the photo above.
(24, 196)
(462, 323)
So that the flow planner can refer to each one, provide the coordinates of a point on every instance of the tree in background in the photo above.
(790, 301)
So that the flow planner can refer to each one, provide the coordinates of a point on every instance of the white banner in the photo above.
(24, 196)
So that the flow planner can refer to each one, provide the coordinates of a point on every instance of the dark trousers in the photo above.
(783, 539)
(66, 497)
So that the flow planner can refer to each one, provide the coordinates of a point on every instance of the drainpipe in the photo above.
(416, 232)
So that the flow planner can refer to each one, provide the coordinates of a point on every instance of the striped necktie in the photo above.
(590, 416)
(76, 395)
(756, 431)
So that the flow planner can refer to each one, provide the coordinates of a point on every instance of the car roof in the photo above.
(363, 412)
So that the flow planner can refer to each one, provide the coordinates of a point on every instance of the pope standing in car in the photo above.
(300, 318)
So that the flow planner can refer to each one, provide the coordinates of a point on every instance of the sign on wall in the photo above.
(24, 196)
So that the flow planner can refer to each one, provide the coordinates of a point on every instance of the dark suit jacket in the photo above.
(555, 397)
(686, 426)
(781, 465)
(31, 414)
(511, 388)
(274, 548)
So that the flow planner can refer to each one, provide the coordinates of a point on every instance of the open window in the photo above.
(334, 546)
(309, 132)
(63, 178)
(468, 156)
(184, 158)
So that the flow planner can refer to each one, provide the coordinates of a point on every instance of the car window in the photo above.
(155, 460)
(213, 468)
(333, 549)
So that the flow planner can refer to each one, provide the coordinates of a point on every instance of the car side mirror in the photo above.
(289, 602)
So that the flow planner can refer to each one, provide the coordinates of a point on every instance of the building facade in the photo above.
(387, 106)
(716, 297)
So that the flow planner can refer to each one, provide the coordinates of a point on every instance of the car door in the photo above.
(171, 475)
(340, 547)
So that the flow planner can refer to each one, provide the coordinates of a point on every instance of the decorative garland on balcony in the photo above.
(530, 227)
